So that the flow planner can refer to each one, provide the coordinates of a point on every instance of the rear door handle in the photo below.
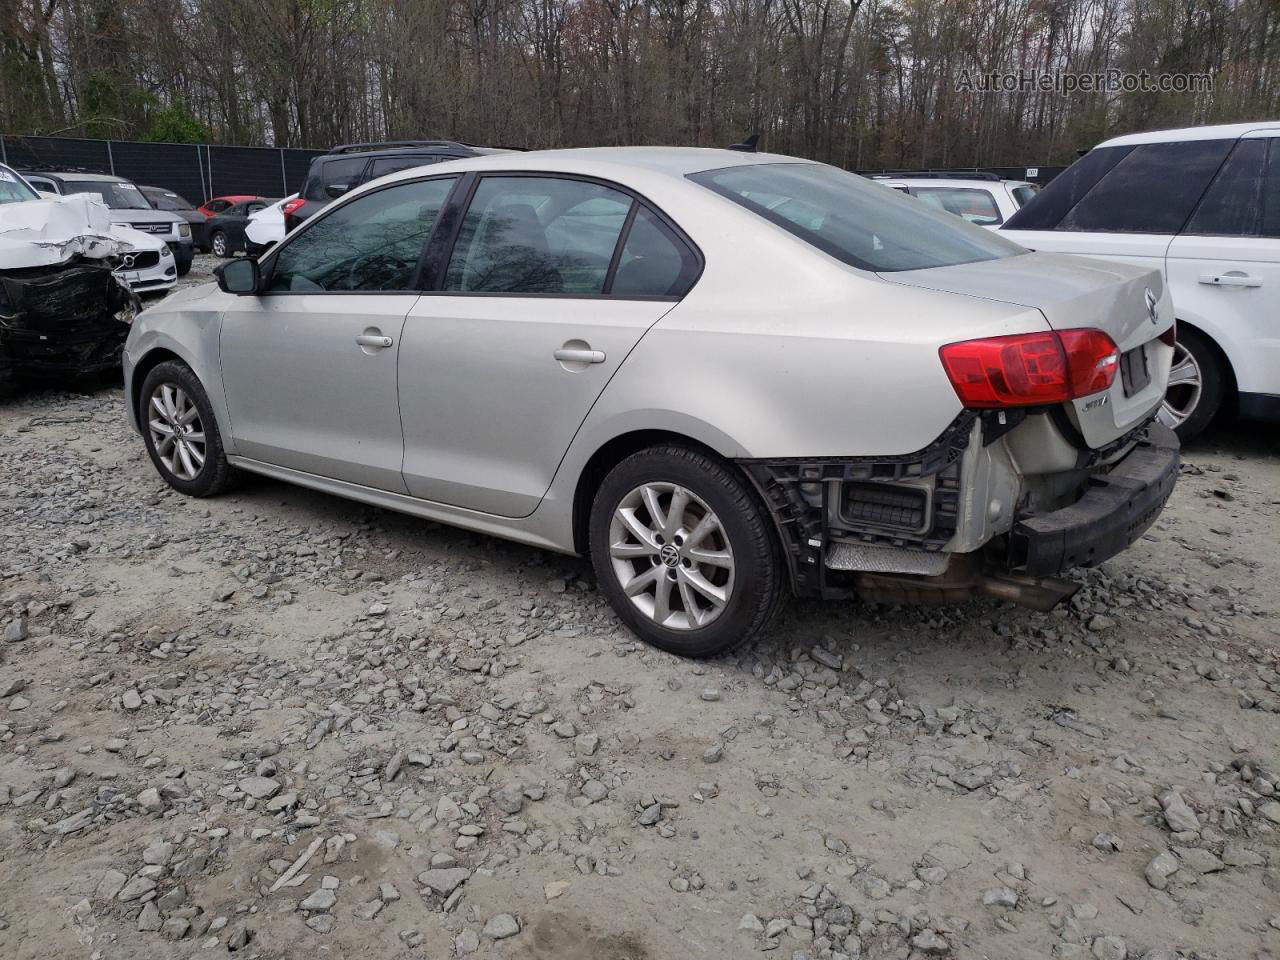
(572, 355)
(1230, 280)
(373, 340)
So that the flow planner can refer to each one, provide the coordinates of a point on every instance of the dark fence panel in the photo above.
(174, 166)
(196, 172)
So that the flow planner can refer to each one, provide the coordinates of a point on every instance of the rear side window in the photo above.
(1233, 203)
(1271, 192)
(1152, 190)
(854, 220)
(338, 170)
(217, 206)
(973, 204)
(372, 243)
(537, 235)
(1066, 189)
(1022, 195)
(654, 262)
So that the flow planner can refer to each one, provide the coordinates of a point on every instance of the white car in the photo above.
(726, 376)
(1202, 205)
(265, 226)
(147, 264)
(982, 199)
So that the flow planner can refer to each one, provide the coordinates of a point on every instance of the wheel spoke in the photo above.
(675, 511)
(706, 526)
(188, 415)
(1184, 373)
(196, 454)
(159, 426)
(637, 529)
(716, 558)
(196, 437)
(1168, 416)
(657, 519)
(188, 466)
(662, 596)
(690, 601)
(705, 587)
(632, 551)
(643, 581)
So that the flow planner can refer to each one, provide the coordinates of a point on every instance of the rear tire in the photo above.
(181, 433)
(219, 244)
(1197, 385)
(695, 581)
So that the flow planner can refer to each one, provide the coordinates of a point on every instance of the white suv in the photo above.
(1203, 205)
(982, 199)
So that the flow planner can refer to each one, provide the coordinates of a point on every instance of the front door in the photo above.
(310, 365)
(551, 283)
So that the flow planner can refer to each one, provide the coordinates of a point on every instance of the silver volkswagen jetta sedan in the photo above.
(726, 376)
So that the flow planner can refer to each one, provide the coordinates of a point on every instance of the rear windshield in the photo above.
(859, 222)
(168, 201)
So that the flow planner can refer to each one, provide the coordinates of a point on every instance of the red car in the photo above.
(217, 205)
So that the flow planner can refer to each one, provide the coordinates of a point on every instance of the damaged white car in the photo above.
(65, 300)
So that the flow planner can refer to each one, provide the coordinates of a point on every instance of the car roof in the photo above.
(1222, 131)
(73, 175)
(948, 182)
(604, 161)
(234, 196)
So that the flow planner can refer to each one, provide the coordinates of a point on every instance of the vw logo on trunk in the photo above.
(1152, 305)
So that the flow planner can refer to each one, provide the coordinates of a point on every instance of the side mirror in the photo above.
(335, 190)
(239, 276)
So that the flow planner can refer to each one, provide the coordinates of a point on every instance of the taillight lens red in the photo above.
(1031, 369)
(292, 205)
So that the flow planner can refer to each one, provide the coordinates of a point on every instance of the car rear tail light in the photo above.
(1170, 336)
(1031, 369)
(289, 208)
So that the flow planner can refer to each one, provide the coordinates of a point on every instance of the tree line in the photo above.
(860, 83)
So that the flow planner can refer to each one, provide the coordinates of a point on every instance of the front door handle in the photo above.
(373, 340)
(577, 355)
(1230, 280)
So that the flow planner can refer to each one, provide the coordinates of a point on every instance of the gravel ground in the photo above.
(286, 725)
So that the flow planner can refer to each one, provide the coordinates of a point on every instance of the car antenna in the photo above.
(748, 145)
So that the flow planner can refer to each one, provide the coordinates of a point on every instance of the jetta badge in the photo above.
(1152, 305)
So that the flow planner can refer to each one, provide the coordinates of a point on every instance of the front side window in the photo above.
(372, 243)
(118, 195)
(854, 220)
(13, 190)
(1152, 190)
(1231, 205)
(971, 203)
(537, 235)
(217, 206)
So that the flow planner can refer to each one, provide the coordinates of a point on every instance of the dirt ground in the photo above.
(284, 725)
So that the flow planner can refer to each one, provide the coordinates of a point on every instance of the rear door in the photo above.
(310, 366)
(550, 283)
(1224, 268)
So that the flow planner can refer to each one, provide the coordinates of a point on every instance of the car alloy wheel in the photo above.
(219, 244)
(671, 556)
(1186, 383)
(177, 431)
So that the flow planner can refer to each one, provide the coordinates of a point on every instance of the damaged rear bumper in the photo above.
(891, 528)
(1117, 508)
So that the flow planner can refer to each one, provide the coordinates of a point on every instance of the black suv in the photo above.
(346, 167)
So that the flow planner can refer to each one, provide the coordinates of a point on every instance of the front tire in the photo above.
(1197, 385)
(181, 433)
(219, 244)
(684, 551)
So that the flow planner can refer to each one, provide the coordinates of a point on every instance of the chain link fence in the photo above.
(194, 171)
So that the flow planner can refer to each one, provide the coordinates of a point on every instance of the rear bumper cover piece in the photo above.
(1116, 509)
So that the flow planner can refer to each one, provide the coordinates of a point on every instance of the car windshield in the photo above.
(168, 201)
(861, 223)
(13, 190)
(118, 194)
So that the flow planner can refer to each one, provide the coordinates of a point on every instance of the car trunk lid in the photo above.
(1127, 303)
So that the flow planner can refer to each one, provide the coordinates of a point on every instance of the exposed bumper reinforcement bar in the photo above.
(1116, 510)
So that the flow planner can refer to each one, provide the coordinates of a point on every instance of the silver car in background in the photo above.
(726, 376)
